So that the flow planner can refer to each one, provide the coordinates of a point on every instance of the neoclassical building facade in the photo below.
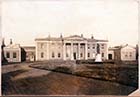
(74, 47)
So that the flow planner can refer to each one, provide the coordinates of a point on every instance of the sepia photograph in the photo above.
(69, 47)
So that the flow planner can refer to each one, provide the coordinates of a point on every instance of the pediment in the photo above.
(13, 46)
(75, 37)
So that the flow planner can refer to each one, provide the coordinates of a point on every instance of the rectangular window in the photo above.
(88, 54)
(93, 46)
(59, 55)
(102, 54)
(14, 55)
(130, 54)
(67, 55)
(53, 43)
(88, 46)
(81, 55)
(102, 46)
(42, 55)
(7, 55)
(53, 55)
(126, 54)
(41, 45)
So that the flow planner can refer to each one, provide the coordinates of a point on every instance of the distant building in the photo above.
(128, 53)
(29, 53)
(122, 53)
(70, 48)
(12, 52)
(111, 53)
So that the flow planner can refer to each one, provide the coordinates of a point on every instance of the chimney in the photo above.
(61, 36)
(81, 35)
(92, 37)
(3, 43)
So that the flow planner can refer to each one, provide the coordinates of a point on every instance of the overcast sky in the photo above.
(115, 20)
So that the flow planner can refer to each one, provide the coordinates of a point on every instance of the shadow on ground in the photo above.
(56, 83)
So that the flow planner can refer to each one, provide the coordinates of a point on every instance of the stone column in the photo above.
(72, 51)
(36, 50)
(19, 54)
(78, 51)
(48, 50)
(85, 51)
(64, 51)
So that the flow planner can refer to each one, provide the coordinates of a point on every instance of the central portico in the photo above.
(68, 48)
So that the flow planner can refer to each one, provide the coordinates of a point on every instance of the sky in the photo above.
(115, 20)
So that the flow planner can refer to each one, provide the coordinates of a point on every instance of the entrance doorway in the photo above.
(110, 56)
(74, 56)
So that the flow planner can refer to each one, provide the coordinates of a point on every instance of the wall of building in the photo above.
(111, 52)
(69, 49)
(128, 54)
(91, 47)
(11, 52)
(49, 50)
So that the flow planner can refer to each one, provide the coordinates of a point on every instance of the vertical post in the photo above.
(78, 51)
(72, 51)
(64, 51)
(48, 50)
(36, 50)
(85, 51)
(138, 38)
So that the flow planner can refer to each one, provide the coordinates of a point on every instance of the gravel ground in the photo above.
(20, 79)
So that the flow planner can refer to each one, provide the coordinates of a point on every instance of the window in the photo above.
(93, 46)
(14, 55)
(126, 54)
(7, 55)
(41, 45)
(102, 54)
(81, 55)
(53, 43)
(102, 46)
(59, 55)
(53, 55)
(67, 55)
(88, 46)
(130, 54)
(42, 55)
(88, 54)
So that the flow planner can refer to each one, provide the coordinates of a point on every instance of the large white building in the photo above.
(70, 48)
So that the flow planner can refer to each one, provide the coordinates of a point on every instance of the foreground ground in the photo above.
(20, 79)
